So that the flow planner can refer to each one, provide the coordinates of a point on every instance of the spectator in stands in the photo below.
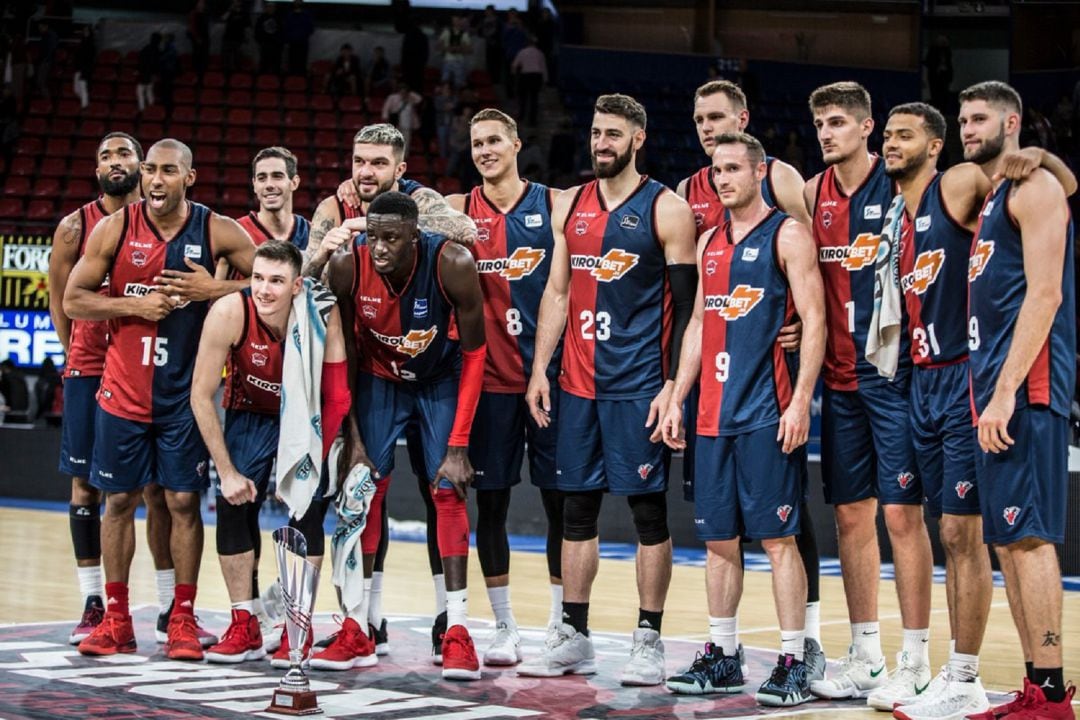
(232, 39)
(299, 27)
(345, 79)
(198, 32)
(48, 391)
(47, 46)
(148, 66)
(402, 110)
(455, 44)
(444, 102)
(491, 31)
(415, 51)
(168, 69)
(514, 39)
(270, 37)
(530, 67)
(378, 83)
(16, 392)
(20, 68)
(547, 35)
(85, 56)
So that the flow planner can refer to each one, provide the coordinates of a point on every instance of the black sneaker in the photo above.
(437, 632)
(378, 635)
(787, 686)
(711, 672)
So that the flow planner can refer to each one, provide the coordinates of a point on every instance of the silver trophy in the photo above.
(299, 582)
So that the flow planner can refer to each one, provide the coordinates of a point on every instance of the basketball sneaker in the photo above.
(351, 648)
(1035, 706)
(646, 664)
(505, 647)
(379, 636)
(114, 634)
(241, 641)
(953, 700)
(814, 657)
(459, 655)
(787, 686)
(161, 634)
(280, 659)
(908, 680)
(1019, 699)
(183, 643)
(711, 672)
(438, 629)
(856, 677)
(93, 614)
(270, 634)
(566, 651)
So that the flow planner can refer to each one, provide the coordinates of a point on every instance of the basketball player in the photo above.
(752, 419)
(867, 455)
(1022, 344)
(513, 256)
(621, 242)
(85, 343)
(245, 332)
(144, 429)
(399, 289)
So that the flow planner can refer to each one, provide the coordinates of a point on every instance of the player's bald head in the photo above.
(186, 158)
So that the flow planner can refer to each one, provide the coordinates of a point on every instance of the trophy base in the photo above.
(294, 702)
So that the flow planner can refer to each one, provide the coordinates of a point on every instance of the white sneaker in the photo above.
(505, 647)
(856, 677)
(646, 664)
(954, 701)
(908, 680)
(566, 651)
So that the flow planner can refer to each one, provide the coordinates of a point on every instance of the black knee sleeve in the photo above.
(311, 525)
(650, 517)
(234, 535)
(492, 545)
(85, 523)
(553, 509)
(433, 555)
(581, 510)
(806, 541)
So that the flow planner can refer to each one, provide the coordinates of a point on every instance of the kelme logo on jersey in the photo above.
(521, 263)
(613, 265)
(416, 342)
(927, 266)
(738, 303)
(856, 256)
(980, 258)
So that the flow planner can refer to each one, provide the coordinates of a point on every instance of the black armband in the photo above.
(682, 279)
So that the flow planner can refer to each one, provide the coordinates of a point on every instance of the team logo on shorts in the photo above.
(859, 254)
(927, 267)
(904, 479)
(644, 470)
(738, 303)
(613, 265)
(200, 468)
(258, 359)
(962, 488)
(783, 512)
(1011, 513)
(980, 258)
(521, 263)
(138, 258)
(412, 344)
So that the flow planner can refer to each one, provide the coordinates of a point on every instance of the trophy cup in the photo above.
(299, 581)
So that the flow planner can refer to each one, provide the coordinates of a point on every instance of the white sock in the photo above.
(166, 588)
(258, 607)
(952, 646)
(457, 607)
(963, 668)
(440, 593)
(917, 645)
(866, 637)
(91, 581)
(813, 621)
(555, 615)
(248, 605)
(793, 642)
(362, 613)
(500, 605)
(373, 595)
(724, 633)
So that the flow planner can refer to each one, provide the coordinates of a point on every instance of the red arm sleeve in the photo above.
(336, 400)
(472, 378)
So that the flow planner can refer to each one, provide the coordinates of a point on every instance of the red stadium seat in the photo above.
(213, 79)
(329, 160)
(268, 83)
(22, 167)
(124, 111)
(321, 103)
(207, 155)
(80, 188)
(352, 122)
(155, 113)
(235, 195)
(11, 208)
(326, 183)
(296, 139)
(299, 118)
(210, 116)
(239, 98)
(30, 146)
(108, 57)
(87, 148)
(351, 103)
(239, 117)
(181, 130)
(152, 131)
(211, 96)
(448, 185)
(236, 176)
(479, 78)
(41, 210)
(17, 186)
(40, 107)
(184, 114)
(240, 81)
(187, 79)
(237, 156)
(326, 140)
(90, 128)
(184, 96)
(46, 187)
(266, 136)
(58, 147)
(208, 134)
(62, 127)
(417, 165)
(68, 108)
(321, 67)
(416, 145)
(56, 167)
(375, 106)
(267, 100)
(438, 166)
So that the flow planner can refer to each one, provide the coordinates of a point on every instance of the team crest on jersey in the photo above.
(826, 218)
(613, 265)
(581, 227)
(630, 222)
(521, 263)
(927, 266)
(644, 470)
(783, 512)
(1010, 514)
(369, 311)
(699, 219)
(963, 487)
(483, 234)
(904, 480)
(859, 254)
(258, 359)
(710, 267)
(738, 303)
(412, 344)
(980, 258)
(534, 220)
(138, 258)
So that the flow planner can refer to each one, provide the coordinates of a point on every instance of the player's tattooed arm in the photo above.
(438, 217)
(318, 253)
(65, 253)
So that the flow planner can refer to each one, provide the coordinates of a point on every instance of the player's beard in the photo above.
(988, 150)
(617, 165)
(385, 187)
(119, 188)
(910, 168)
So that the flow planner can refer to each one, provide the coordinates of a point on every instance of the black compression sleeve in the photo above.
(682, 279)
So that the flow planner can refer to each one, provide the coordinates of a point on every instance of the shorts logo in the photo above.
(138, 258)
(200, 468)
(369, 311)
(962, 488)
(1010, 514)
(980, 258)
(904, 479)
(102, 473)
(826, 219)
(258, 359)
(483, 234)
(420, 308)
(193, 251)
(534, 220)
(749, 254)
(927, 267)
(412, 344)
(872, 212)
(783, 512)
(922, 224)
(581, 227)
(737, 304)
(107, 394)
(644, 470)
(613, 265)
(521, 263)
(630, 222)
(859, 254)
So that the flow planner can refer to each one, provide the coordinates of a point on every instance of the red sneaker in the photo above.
(114, 634)
(183, 643)
(1019, 700)
(93, 614)
(459, 655)
(242, 641)
(351, 648)
(1037, 707)
(280, 658)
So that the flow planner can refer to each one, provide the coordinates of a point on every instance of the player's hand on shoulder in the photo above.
(1019, 164)
(347, 194)
(455, 469)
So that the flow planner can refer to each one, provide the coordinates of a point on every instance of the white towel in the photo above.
(886, 324)
(352, 509)
(299, 454)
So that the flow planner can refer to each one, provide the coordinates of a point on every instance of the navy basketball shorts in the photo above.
(866, 448)
(746, 486)
(384, 408)
(128, 454)
(690, 413)
(503, 431)
(1024, 491)
(77, 433)
(604, 445)
(252, 441)
(941, 434)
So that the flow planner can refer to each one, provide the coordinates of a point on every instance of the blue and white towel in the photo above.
(353, 503)
(886, 323)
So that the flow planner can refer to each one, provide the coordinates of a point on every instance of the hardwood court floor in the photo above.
(36, 560)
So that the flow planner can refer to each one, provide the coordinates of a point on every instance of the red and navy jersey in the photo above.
(348, 212)
(407, 335)
(513, 256)
(847, 230)
(149, 364)
(701, 194)
(933, 274)
(996, 289)
(746, 383)
(253, 380)
(89, 338)
(618, 321)
(259, 234)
